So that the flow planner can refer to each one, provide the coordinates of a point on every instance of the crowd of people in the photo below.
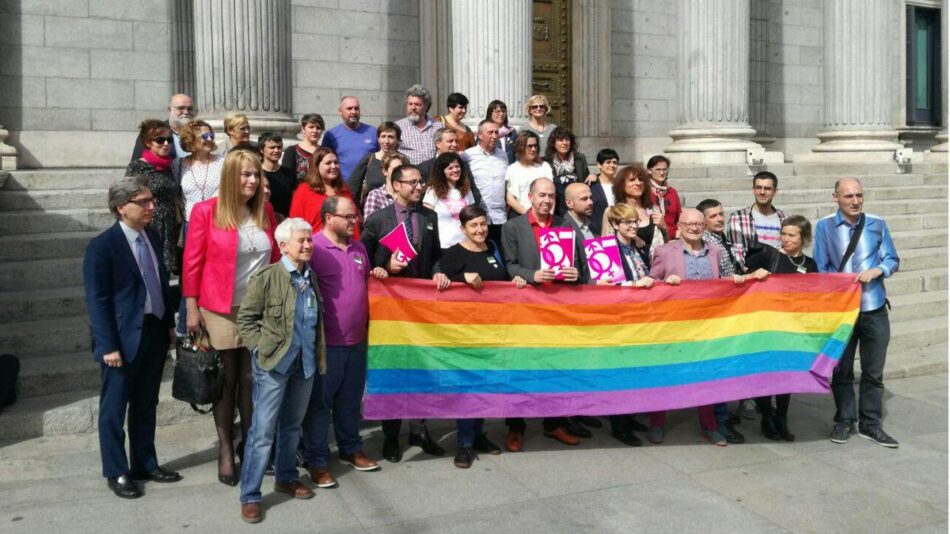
(274, 246)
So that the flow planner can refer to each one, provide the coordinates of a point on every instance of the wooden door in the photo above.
(551, 61)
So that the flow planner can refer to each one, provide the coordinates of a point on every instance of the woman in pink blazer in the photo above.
(229, 239)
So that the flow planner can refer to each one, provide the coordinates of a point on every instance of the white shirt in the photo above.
(199, 182)
(518, 180)
(488, 173)
(253, 255)
(448, 208)
(132, 235)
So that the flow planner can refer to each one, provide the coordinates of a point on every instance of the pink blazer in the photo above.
(669, 259)
(211, 255)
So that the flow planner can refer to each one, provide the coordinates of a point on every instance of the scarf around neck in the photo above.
(159, 162)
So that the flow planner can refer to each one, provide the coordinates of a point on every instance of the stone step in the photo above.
(40, 274)
(67, 220)
(815, 211)
(863, 169)
(743, 183)
(46, 337)
(914, 239)
(44, 246)
(62, 373)
(922, 332)
(915, 259)
(51, 200)
(78, 179)
(19, 306)
(900, 223)
(823, 196)
(918, 362)
(929, 304)
(919, 281)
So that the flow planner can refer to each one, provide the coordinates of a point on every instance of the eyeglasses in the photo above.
(349, 218)
(655, 169)
(161, 140)
(628, 222)
(531, 147)
(693, 224)
(411, 183)
(143, 202)
(538, 106)
(244, 129)
(183, 108)
(208, 136)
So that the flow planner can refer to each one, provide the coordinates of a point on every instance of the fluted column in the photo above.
(591, 62)
(491, 45)
(713, 81)
(436, 50)
(942, 136)
(759, 72)
(859, 69)
(243, 62)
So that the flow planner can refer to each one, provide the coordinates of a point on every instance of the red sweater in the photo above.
(306, 204)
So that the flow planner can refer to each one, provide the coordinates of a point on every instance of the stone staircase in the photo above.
(48, 216)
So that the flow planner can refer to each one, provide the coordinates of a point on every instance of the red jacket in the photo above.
(211, 255)
(673, 209)
(306, 204)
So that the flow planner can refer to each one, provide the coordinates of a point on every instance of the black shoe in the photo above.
(483, 445)
(588, 421)
(124, 487)
(576, 430)
(627, 438)
(877, 435)
(734, 419)
(842, 433)
(158, 474)
(636, 425)
(228, 480)
(769, 430)
(424, 440)
(391, 451)
(781, 424)
(464, 457)
(732, 435)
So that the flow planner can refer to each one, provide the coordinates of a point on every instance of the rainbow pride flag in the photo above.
(600, 350)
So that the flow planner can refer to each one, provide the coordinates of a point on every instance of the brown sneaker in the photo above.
(560, 434)
(251, 512)
(322, 477)
(359, 461)
(295, 489)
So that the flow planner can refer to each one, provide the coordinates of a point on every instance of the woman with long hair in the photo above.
(230, 238)
(632, 187)
(568, 166)
(323, 181)
(450, 190)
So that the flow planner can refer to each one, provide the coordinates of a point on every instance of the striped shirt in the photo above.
(741, 230)
(875, 249)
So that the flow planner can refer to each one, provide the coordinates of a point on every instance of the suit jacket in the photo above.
(669, 259)
(600, 207)
(580, 254)
(522, 257)
(383, 221)
(211, 256)
(115, 293)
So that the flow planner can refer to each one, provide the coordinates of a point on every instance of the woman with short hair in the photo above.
(323, 181)
(449, 191)
(382, 196)
(297, 157)
(368, 174)
(522, 172)
(238, 130)
(665, 197)
(537, 109)
(498, 113)
(281, 181)
(457, 104)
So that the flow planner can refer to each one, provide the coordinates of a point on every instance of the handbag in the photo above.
(197, 372)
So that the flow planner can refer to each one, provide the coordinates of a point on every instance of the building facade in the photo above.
(702, 80)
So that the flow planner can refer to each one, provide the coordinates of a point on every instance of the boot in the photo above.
(769, 428)
(781, 425)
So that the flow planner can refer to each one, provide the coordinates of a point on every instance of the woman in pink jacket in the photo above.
(229, 239)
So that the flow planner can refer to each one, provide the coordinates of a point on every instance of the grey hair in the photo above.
(123, 190)
(285, 230)
(437, 135)
(420, 91)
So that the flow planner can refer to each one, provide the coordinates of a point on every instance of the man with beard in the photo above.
(417, 127)
(180, 112)
(351, 140)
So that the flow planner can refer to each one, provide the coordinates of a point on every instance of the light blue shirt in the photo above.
(698, 266)
(875, 249)
(306, 315)
(131, 235)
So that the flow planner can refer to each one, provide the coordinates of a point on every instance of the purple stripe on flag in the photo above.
(824, 366)
(494, 405)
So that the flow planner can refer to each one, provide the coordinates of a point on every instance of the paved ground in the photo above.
(52, 484)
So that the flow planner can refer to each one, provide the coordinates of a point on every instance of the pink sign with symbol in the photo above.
(398, 241)
(557, 250)
(603, 259)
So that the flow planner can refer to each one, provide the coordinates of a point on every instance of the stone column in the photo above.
(591, 61)
(8, 156)
(759, 72)
(942, 136)
(491, 45)
(436, 50)
(858, 77)
(243, 63)
(713, 83)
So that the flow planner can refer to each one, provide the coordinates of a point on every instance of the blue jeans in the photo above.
(468, 430)
(872, 332)
(182, 309)
(341, 394)
(280, 402)
(722, 412)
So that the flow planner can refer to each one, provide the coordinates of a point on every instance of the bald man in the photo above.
(181, 110)
(351, 139)
(871, 258)
(580, 208)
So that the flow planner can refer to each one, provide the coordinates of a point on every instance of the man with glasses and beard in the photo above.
(180, 111)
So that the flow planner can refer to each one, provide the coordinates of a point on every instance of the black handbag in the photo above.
(197, 372)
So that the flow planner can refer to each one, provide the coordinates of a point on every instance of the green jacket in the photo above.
(266, 317)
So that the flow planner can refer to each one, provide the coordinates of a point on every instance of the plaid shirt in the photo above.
(727, 253)
(418, 145)
(376, 200)
(741, 231)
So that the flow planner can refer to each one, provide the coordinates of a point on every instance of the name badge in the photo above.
(429, 226)
(493, 261)
(358, 260)
(801, 269)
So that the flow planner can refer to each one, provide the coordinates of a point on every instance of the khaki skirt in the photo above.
(222, 329)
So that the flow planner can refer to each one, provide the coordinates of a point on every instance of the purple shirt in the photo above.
(342, 276)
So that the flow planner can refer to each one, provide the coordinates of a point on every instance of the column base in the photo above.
(284, 125)
(858, 144)
(711, 145)
(8, 155)
(942, 147)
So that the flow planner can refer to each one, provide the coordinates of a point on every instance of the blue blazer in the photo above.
(115, 293)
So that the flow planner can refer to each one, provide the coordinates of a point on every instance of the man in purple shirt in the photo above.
(351, 140)
(342, 269)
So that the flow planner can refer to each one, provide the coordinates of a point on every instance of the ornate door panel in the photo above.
(551, 62)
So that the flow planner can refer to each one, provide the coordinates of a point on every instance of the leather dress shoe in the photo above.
(391, 451)
(295, 489)
(588, 421)
(359, 461)
(425, 441)
(636, 425)
(560, 433)
(576, 429)
(123, 487)
(627, 438)
(159, 474)
(251, 512)
(322, 477)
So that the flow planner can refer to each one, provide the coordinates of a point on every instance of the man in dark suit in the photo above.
(520, 239)
(130, 308)
(422, 227)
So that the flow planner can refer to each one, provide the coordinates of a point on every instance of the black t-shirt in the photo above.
(458, 260)
(283, 183)
(782, 263)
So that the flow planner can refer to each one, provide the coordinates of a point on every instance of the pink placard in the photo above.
(398, 241)
(603, 259)
(557, 250)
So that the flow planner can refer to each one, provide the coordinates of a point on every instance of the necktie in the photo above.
(150, 275)
(410, 232)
